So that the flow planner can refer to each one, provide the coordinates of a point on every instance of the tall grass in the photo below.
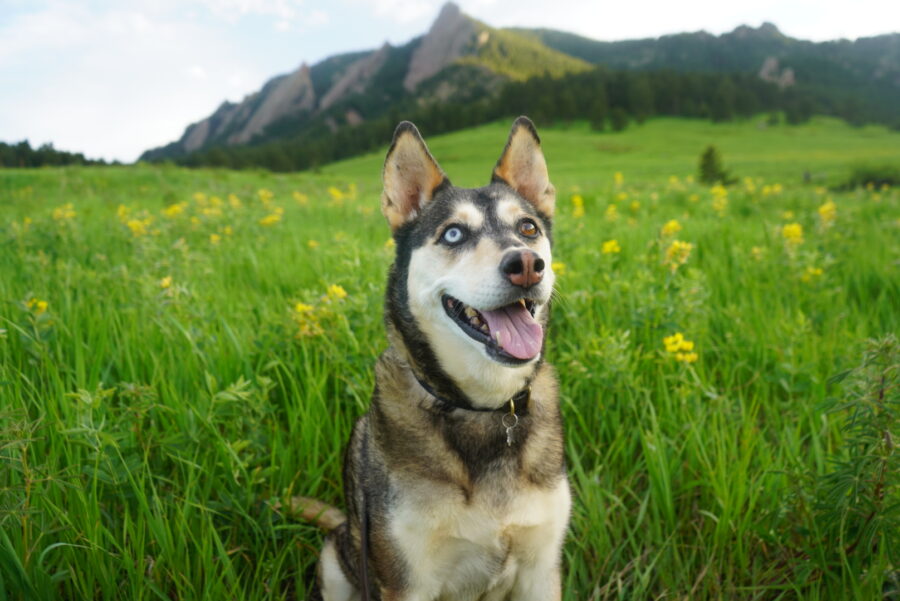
(193, 368)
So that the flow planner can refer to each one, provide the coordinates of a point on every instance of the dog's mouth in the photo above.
(509, 333)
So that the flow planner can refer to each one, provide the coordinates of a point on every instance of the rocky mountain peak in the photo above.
(445, 42)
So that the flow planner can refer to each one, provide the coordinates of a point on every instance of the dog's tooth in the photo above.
(522, 301)
(497, 337)
(470, 312)
(475, 321)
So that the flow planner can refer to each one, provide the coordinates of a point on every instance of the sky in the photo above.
(112, 78)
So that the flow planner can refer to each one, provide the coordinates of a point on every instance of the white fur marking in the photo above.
(459, 551)
(335, 586)
(509, 211)
(469, 214)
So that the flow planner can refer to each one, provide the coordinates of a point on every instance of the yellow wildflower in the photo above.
(64, 212)
(270, 219)
(828, 213)
(577, 206)
(694, 198)
(558, 267)
(792, 234)
(138, 227)
(215, 201)
(390, 243)
(618, 178)
(787, 215)
(303, 308)
(301, 198)
(234, 201)
(174, 210)
(200, 198)
(635, 206)
(757, 252)
(307, 319)
(611, 247)
(312, 243)
(677, 254)
(166, 282)
(335, 193)
(612, 213)
(265, 196)
(227, 230)
(37, 306)
(811, 273)
(680, 348)
(621, 196)
(671, 227)
(336, 292)
(215, 238)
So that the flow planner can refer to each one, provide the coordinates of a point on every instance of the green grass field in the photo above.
(178, 358)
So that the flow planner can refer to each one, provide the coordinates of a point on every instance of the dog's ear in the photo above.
(411, 176)
(523, 168)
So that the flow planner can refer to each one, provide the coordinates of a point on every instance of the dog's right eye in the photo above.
(453, 235)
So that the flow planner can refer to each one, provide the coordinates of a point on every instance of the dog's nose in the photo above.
(523, 268)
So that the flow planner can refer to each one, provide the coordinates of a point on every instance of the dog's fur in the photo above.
(443, 506)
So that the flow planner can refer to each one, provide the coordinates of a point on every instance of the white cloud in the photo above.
(115, 83)
(402, 11)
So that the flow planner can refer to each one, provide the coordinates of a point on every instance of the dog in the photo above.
(454, 481)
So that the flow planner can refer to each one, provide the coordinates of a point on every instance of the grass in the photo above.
(168, 375)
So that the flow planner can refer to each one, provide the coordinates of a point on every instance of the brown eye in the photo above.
(528, 228)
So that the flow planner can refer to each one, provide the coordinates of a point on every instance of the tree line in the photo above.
(22, 154)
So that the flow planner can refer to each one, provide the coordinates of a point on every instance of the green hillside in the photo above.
(519, 57)
(826, 147)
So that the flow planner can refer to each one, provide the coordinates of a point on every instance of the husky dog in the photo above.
(455, 480)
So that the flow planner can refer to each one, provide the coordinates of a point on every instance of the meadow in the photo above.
(182, 351)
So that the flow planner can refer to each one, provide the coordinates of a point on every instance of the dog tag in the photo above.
(509, 421)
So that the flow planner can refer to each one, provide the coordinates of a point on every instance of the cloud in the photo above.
(402, 11)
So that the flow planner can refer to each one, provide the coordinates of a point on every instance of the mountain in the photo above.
(463, 71)
(458, 59)
(866, 68)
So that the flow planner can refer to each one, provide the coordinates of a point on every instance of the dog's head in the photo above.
(470, 289)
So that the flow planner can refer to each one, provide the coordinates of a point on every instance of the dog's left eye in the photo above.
(453, 235)
(528, 228)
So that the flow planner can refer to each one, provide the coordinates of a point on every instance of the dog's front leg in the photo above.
(539, 547)
(538, 584)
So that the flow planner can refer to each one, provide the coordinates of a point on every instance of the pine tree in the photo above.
(711, 170)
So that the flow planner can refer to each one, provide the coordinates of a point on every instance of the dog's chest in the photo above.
(459, 549)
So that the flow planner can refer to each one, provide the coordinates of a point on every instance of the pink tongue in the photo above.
(520, 335)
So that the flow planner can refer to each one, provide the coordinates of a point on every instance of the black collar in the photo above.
(518, 404)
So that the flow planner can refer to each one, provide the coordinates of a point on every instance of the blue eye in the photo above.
(453, 235)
